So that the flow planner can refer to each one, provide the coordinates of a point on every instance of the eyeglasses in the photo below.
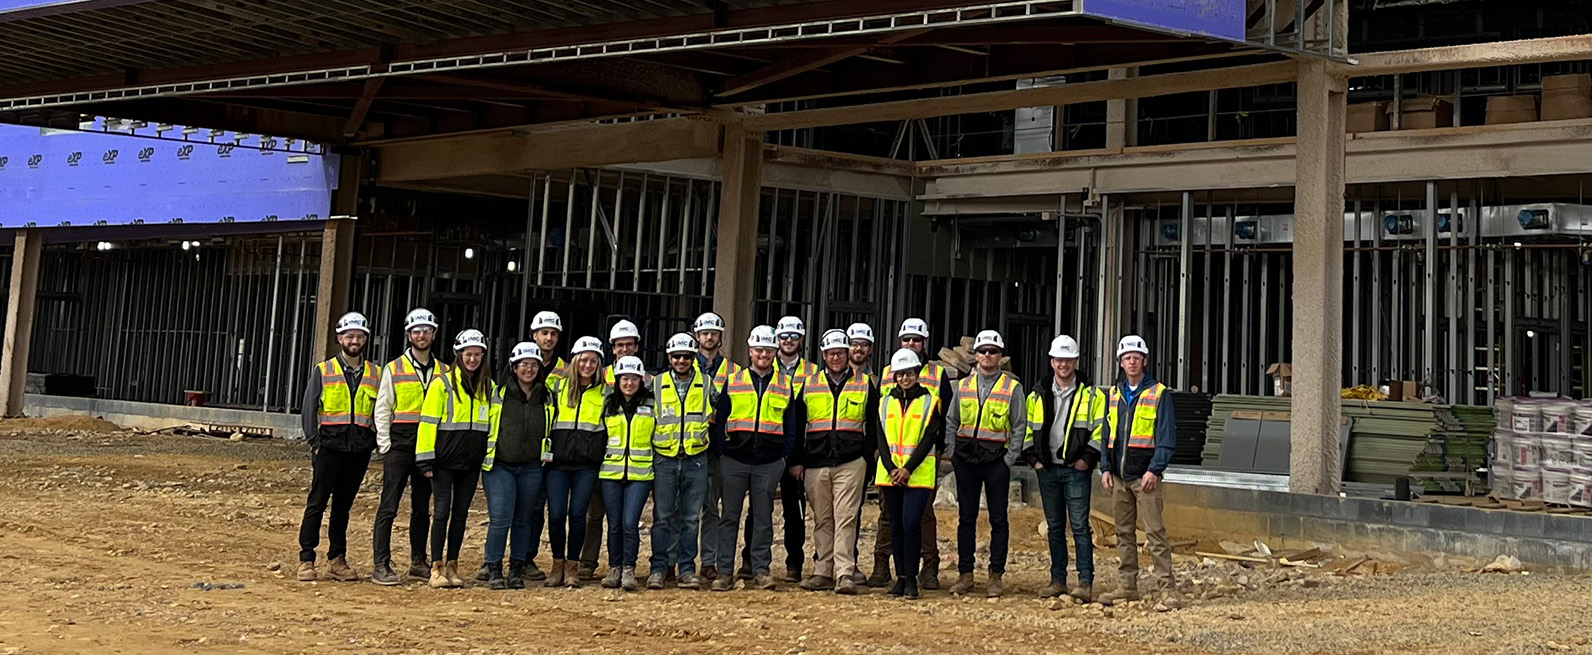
(989, 351)
(911, 339)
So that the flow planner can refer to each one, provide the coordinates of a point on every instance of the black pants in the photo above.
(397, 472)
(335, 479)
(793, 505)
(452, 490)
(905, 506)
(993, 481)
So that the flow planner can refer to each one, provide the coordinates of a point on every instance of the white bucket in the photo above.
(1583, 453)
(1525, 483)
(1556, 416)
(1581, 421)
(1501, 409)
(1558, 450)
(1581, 487)
(1525, 450)
(1556, 485)
(1525, 417)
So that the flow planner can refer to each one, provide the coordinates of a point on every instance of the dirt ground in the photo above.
(108, 541)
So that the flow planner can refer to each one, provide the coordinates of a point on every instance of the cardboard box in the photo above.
(1281, 379)
(1367, 117)
(1403, 391)
(1566, 96)
(1511, 109)
(1426, 113)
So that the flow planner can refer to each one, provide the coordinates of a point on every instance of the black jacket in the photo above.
(522, 425)
(826, 448)
(933, 434)
(1077, 439)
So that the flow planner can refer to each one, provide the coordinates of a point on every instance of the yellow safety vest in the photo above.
(449, 409)
(1141, 434)
(801, 371)
(990, 420)
(903, 429)
(409, 390)
(586, 415)
(1087, 412)
(721, 376)
(677, 421)
(846, 411)
(753, 412)
(930, 376)
(629, 454)
(556, 372)
(342, 406)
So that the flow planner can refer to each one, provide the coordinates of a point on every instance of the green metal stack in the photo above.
(1390, 440)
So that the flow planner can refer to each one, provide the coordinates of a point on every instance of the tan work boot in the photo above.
(439, 577)
(572, 573)
(1123, 595)
(881, 572)
(964, 584)
(555, 574)
(307, 572)
(997, 586)
(451, 569)
(341, 571)
(1053, 590)
(1082, 592)
(818, 583)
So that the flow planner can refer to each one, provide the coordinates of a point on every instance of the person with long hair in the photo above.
(912, 427)
(627, 468)
(578, 441)
(513, 474)
(454, 444)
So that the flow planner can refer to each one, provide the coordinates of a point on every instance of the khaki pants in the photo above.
(1129, 504)
(835, 495)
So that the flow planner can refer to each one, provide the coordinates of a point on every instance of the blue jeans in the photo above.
(1064, 491)
(568, 498)
(514, 498)
(625, 500)
(906, 506)
(680, 487)
(994, 481)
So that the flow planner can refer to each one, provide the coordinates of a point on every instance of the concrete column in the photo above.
(735, 259)
(1318, 281)
(19, 320)
(337, 272)
(1122, 115)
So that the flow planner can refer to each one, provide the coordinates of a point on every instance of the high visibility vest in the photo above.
(342, 406)
(753, 412)
(721, 376)
(846, 411)
(409, 389)
(990, 420)
(903, 429)
(681, 424)
(1087, 412)
(587, 414)
(556, 372)
(1141, 433)
(450, 409)
(930, 376)
(801, 371)
(629, 453)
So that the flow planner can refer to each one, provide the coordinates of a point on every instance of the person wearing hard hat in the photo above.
(1141, 436)
(831, 460)
(792, 335)
(1066, 418)
(340, 425)
(546, 330)
(860, 336)
(512, 476)
(912, 427)
(578, 440)
(984, 429)
(624, 339)
(709, 332)
(936, 381)
(684, 399)
(398, 400)
(455, 443)
(627, 472)
(757, 422)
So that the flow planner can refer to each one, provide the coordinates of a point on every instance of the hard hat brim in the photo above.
(352, 328)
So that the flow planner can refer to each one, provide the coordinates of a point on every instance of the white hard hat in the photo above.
(469, 339)
(708, 321)
(1132, 343)
(629, 365)
(762, 337)
(989, 338)
(904, 359)
(525, 350)
(353, 321)
(682, 343)
(1064, 347)
(420, 317)
(790, 325)
(547, 320)
(914, 327)
(623, 330)
(860, 331)
(587, 345)
(835, 340)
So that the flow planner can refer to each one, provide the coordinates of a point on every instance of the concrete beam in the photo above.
(579, 146)
(18, 343)
(735, 256)
(1122, 114)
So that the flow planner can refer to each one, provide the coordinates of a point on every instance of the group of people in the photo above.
(709, 441)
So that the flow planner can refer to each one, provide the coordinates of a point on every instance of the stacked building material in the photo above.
(962, 360)
(1455, 451)
(1193, 413)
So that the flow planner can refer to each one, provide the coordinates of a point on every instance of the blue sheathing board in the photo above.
(1219, 19)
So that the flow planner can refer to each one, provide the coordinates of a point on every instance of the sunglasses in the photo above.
(911, 339)
(681, 356)
(788, 337)
(990, 352)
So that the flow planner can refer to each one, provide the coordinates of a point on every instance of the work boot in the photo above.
(341, 571)
(881, 572)
(743, 573)
(627, 579)
(846, 587)
(307, 572)
(383, 575)
(910, 592)
(572, 574)
(690, 581)
(996, 586)
(1123, 595)
(793, 576)
(898, 589)
(612, 580)
(709, 572)
(764, 581)
(517, 574)
(655, 580)
(723, 583)
(929, 579)
(451, 569)
(494, 578)
(857, 578)
(964, 584)
(419, 568)
(1053, 590)
(1083, 591)
(584, 571)
(439, 577)
(818, 583)
(484, 573)
(555, 576)
(1170, 600)
(532, 573)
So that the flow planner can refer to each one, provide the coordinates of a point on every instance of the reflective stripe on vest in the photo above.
(1087, 412)
(476, 410)
(845, 411)
(721, 376)
(1141, 433)
(754, 412)
(903, 430)
(629, 453)
(342, 406)
(409, 390)
(675, 418)
(586, 415)
(929, 377)
(990, 420)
